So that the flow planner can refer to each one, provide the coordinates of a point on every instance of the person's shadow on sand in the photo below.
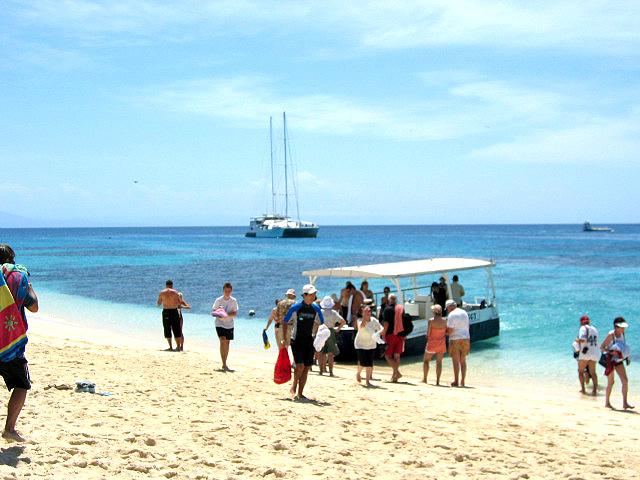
(11, 456)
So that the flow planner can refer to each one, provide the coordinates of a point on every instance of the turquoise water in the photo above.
(546, 277)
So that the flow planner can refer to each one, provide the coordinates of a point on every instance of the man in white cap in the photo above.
(306, 315)
(459, 341)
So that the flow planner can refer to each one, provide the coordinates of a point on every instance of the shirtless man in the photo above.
(171, 301)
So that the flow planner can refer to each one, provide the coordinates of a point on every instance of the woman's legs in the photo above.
(425, 366)
(322, 360)
(622, 373)
(582, 364)
(610, 382)
(594, 377)
(358, 375)
(369, 374)
(330, 355)
(439, 357)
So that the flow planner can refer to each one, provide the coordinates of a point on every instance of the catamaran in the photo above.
(483, 314)
(279, 225)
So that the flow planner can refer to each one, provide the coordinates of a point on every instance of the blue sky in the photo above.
(399, 112)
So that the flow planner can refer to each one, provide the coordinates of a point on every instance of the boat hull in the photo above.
(483, 324)
(278, 232)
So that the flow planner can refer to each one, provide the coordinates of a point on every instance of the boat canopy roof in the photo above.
(411, 268)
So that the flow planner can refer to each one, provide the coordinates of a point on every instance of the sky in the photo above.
(143, 113)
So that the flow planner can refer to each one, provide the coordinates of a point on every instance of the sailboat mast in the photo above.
(273, 192)
(286, 179)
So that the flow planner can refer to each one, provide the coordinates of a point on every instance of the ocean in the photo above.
(546, 277)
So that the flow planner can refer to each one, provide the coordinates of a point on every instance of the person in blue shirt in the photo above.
(305, 317)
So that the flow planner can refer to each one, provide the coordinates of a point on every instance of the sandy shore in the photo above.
(172, 415)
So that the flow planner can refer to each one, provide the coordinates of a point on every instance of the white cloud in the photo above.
(605, 142)
(248, 101)
(591, 26)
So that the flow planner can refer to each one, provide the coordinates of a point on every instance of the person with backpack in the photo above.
(588, 354)
(459, 341)
(16, 294)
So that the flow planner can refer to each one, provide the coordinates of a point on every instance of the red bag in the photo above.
(282, 372)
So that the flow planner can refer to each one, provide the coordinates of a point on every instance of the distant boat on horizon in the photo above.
(275, 224)
(587, 227)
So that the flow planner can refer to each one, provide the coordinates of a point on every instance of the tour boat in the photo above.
(483, 314)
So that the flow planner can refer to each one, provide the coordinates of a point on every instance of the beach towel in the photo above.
(282, 370)
(13, 329)
(397, 319)
(219, 313)
(321, 337)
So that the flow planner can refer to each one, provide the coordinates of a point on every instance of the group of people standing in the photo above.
(613, 353)
(224, 309)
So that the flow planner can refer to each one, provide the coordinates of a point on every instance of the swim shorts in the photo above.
(171, 322)
(365, 357)
(395, 345)
(303, 352)
(462, 347)
(16, 373)
(225, 333)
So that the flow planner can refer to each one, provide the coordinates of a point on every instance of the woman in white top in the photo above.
(365, 342)
(334, 323)
(618, 351)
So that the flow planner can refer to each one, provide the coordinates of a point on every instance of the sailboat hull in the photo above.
(302, 232)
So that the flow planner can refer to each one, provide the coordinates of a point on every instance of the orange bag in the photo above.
(282, 371)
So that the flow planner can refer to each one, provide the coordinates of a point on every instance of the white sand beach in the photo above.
(172, 415)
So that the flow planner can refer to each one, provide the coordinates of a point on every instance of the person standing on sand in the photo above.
(392, 322)
(171, 301)
(307, 315)
(224, 325)
(334, 323)
(459, 341)
(13, 367)
(365, 344)
(282, 308)
(617, 351)
(436, 343)
(185, 305)
(588, 354)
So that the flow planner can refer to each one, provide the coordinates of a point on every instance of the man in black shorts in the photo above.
(13, 367)
(307, 316)
(171, 300)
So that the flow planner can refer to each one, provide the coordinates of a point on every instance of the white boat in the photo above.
(483, 312)
(278, 225)
(587, 227)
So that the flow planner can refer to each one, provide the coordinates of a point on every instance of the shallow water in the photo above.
(546, 277)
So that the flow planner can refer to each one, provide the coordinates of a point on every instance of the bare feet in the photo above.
(331, 374)
(608, 405)
(424, 380)
(12, 436)
(359, 377)
(454, 384)
(369, 385)
(628, 407)
(170, 349)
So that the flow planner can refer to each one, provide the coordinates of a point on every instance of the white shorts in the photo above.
(592, 355)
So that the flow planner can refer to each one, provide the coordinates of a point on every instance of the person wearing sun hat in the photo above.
(334, 323)
(588, 354)
(282, 307)
(618, 352)
(306, 316)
